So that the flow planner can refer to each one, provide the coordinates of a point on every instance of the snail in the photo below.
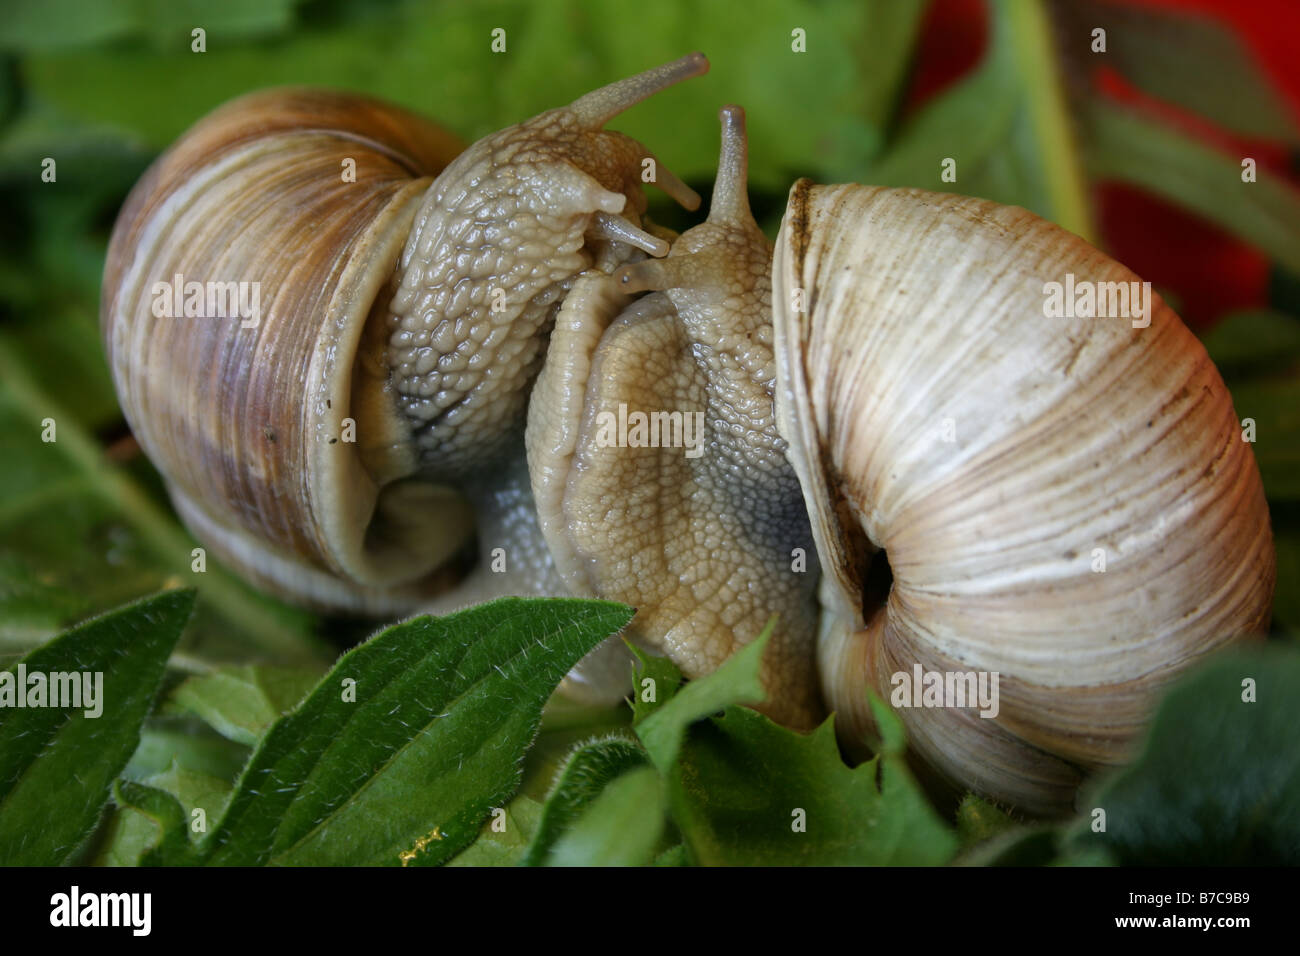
(405, 283)
(899, 453)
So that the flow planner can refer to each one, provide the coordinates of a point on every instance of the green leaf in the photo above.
(57, 764)
(1218, 779)
(241, 702)
(127, 834)
(893, 738)
(664, 680)
(1166, 53)
(130, 833)
(565, 725)
(156, 816)
(1006, 127)
(188, 744)
(621, 827)
(504, 839)
(195, 791)
(166, 841)
(52, 24)
(1036, 845)
(979, 820)
(403, 765)
(1131, 147)
(751, 793)
(585, 775)
(1274, 405)
(735, 682)
(1245, 342)
(674, 856)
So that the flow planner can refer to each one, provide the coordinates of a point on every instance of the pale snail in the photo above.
(824, 368)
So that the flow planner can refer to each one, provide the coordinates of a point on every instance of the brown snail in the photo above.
(886, 381)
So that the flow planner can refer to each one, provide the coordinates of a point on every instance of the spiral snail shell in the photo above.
(882, 380)
(898, 366)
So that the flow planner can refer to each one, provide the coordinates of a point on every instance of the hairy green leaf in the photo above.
(978, 820)
(621, 827)
(57, 763)
(565, 725)
(674, 856)
(163, 838)
(151, 829)
(591, 767)
(410, 740)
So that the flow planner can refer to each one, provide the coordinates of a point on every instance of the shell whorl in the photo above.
(253, 417)
(935, 412)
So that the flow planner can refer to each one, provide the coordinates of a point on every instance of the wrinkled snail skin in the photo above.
(512, 215)
(406, 304)
(702, 546)
(1065, 436)
(883, 380)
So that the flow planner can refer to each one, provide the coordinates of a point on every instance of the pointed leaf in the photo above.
(663, 679)
(751, 793)
(57, 764)
(735, 682)
(591, 767)
(410, 740)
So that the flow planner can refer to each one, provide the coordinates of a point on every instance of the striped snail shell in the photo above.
(1065, 505)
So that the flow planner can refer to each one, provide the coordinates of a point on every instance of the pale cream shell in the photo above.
(936, 412)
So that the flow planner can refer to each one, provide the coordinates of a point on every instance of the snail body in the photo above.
(883, 379)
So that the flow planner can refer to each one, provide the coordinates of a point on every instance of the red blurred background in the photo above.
(1211, 272)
